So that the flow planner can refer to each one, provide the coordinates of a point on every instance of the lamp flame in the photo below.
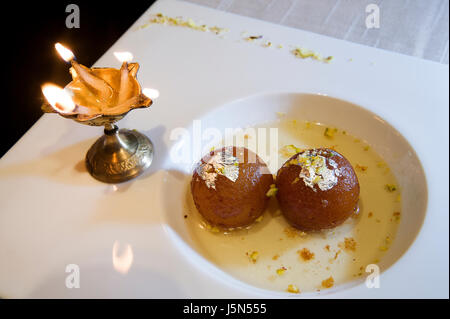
(123, 262)
(58, 98)
(124, 56)
(64, 52)
(153, 94)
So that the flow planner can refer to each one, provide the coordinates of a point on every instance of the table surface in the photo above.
(413, 27)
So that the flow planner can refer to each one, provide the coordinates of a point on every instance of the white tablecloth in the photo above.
(413, 27)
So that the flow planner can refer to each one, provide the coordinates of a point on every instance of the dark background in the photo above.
(29, 32)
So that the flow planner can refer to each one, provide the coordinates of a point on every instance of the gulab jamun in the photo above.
(317, 189)
(229, 187)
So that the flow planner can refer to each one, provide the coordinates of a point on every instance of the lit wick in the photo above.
(124, 88)
(96, 85)
(61, 100)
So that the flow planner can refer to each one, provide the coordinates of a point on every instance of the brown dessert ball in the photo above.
(229, 187)
(317, 189)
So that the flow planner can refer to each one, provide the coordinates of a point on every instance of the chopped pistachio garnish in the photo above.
(366, 148)
(398, 198)
(303, 53)
(189, 23)
(396, 216)
(289, 150)
(381, 164)
(329, 132)
(267, 44)
(280, 46)
(259, 219)
(383, 248)
(293, 289)
(328, 283)
(254, 256)
(350, 243)
(213, 229)
(272, 191)
(253, 37)
(391, 187)
(295, 180)
(361, 168)
(280, 271)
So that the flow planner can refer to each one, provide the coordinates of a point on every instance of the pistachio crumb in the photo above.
(361, 168)
(280, 271)
(350, 243)
(329, 132)
(328, 283)
(259, 219)
(390, 187)
(396, 216)
(215, 229)
(254, 256)
(293, 289)
(289, 150)
(306, 254)
(272, 191)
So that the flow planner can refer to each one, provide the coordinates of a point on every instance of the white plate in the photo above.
(52, 213)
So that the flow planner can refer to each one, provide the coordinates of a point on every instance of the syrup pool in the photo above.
(267, 254)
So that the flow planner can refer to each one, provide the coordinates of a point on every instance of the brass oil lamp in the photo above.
(101, 97)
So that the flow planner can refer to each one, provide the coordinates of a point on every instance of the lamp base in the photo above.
(119, 155)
